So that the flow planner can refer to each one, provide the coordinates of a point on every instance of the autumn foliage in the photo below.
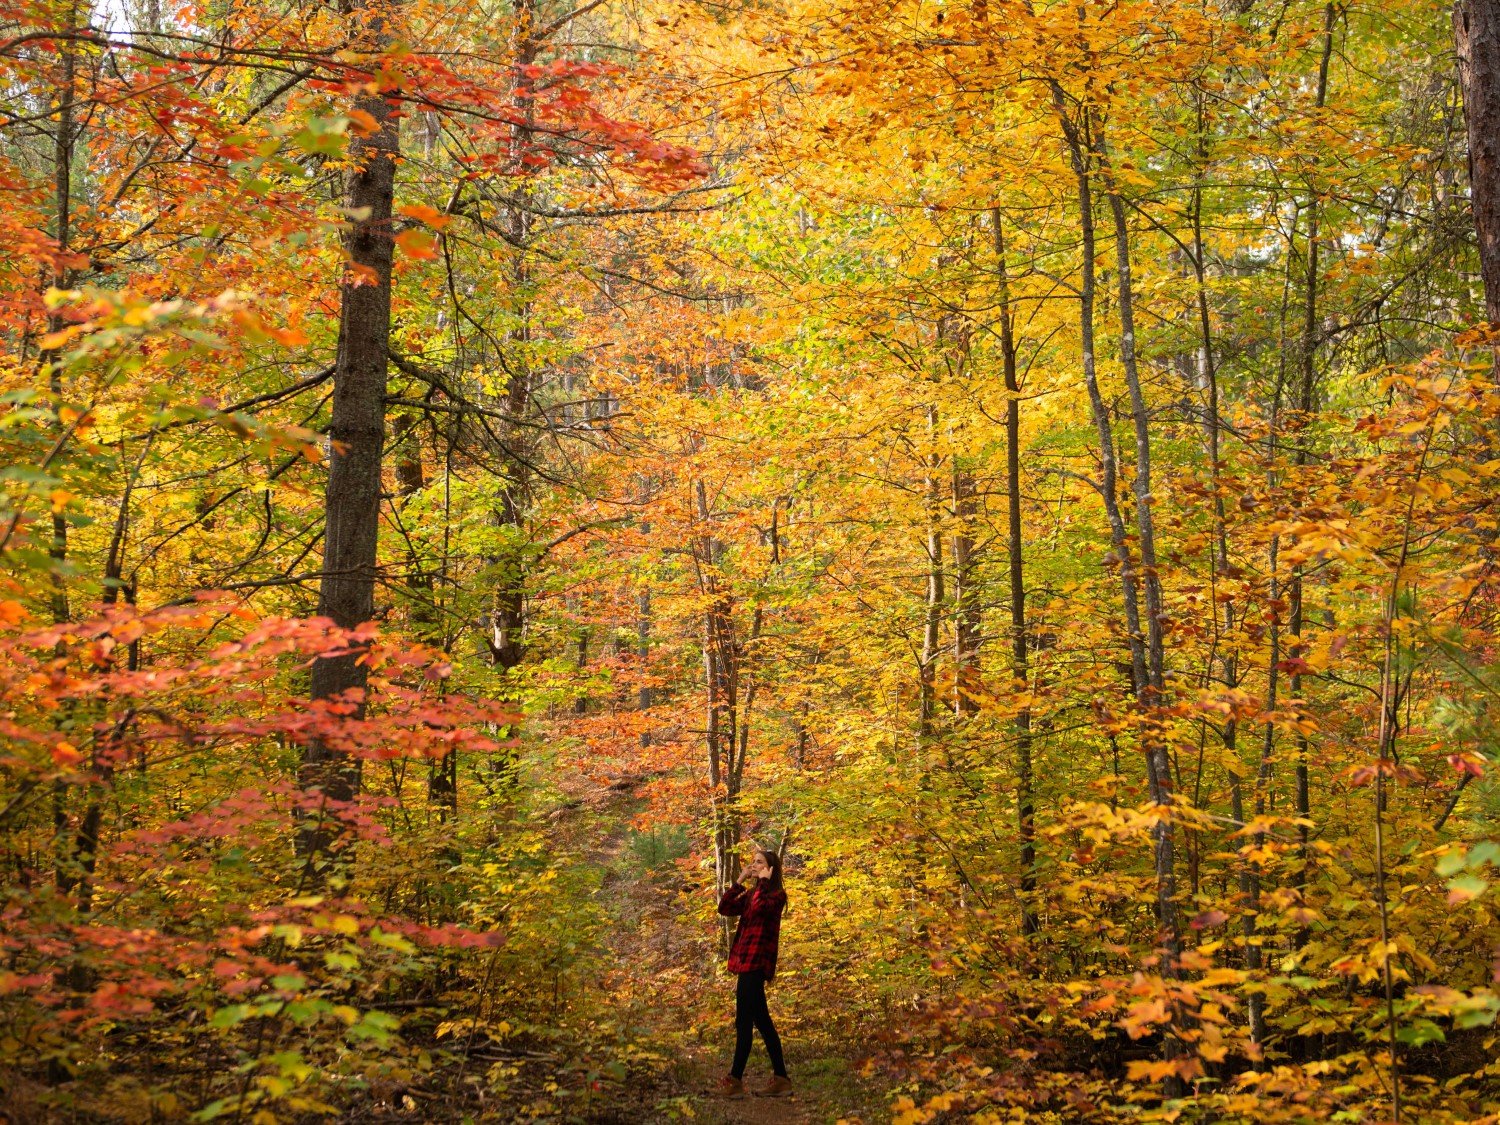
(469, 470)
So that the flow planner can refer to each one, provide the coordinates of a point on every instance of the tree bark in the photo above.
(643, 654)
(1025, 798)
(932, 620)
(353, 497)
(581, 700)
(422, 615)
(966, 604)
(721, 682)
(1305, 400)
(62, 176)
(1108, 463)
(1158, 759)
(1476, 32)
(67, 849)
(1146, 650)
(508, 620)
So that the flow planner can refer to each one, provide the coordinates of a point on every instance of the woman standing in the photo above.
(753, 957)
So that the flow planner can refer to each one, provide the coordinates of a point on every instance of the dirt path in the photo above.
(822, 1096)
(653, 935)
(761, 1111)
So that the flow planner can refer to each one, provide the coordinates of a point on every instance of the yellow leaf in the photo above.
(54, 340)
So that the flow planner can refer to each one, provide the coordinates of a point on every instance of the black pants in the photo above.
(750, 1015)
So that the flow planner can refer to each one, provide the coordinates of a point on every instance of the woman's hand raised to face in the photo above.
(757, 868)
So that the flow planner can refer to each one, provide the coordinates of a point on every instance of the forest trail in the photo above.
(765, 1111)
(654, 932)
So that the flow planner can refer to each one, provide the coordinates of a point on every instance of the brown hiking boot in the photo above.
(779, 1087)
(729, 1087)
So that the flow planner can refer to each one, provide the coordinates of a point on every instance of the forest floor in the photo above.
(652, 933)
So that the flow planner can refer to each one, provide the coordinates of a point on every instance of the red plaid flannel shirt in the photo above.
(759, 931)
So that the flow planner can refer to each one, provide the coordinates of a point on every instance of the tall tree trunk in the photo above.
(1025, 799)
(508, 613)
(65, 845)
(581, 700)
(643, 654)
(1476, 32)
(1158, 758)
(1305, 402)
(422, 614)
(721, 681)
(1229, 737)
(967, 607)
(932, 617)
(966, 604)
(1108, 485)
(63, 141)
(1145, 649)
(353, 499)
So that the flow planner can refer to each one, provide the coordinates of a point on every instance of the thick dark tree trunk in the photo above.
(350, 564)
(67, 849)
(1476, 31)
(62, 179)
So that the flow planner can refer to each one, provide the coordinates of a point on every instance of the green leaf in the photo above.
(1466, 887)
(1474, 1017)
(1451, 863)
(229, 1016)
(1420, 1033)
(1486, 852)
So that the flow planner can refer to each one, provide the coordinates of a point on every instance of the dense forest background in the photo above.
(471, 469)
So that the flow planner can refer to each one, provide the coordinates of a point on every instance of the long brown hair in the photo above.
(773, 861)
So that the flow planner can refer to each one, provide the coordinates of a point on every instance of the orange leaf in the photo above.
(363, 275)
(425, 214)
(54, 340)
(66, 754)
(363, 123)
(291, 337)
(417, 244)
